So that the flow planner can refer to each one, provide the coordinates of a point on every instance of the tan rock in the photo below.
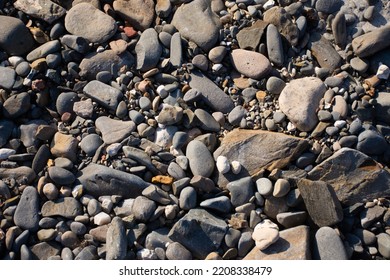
(64, 146)
(251, 64)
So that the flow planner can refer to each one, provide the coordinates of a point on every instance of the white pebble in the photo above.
(383, 72)
(5, 153)
(162, 91)
(182, 161)
(236, 167)
(266, 224)
(269, 4)
(146, 254)
(107, 205)
(101, 219)
(100, 49)
(340, 124)
(216, 67)
(223, 165)
(290, 127)
(265, 237)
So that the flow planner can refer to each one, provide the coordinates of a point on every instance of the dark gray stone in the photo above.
(328, 6)
(240, 191)
(143, 208)
(27, 212)
(372, 42)
(88, 253)
(176, 251)
(291, 219)
(22, 175)
(327, 57)
(43, 50)
(140, 156)
(148, 50)
(15, 37)
(232, 237)
(45, 250)
(116, 240)
(321, 202)
(42, 9)
(328, 245)
(206, 121)
(371, 215)
(107, 96)
(220, 204)
(245, 243)
(200, 232)
(90, 143)
(200, 159)
(139, 13)
(7, 77)
(274, 46)
(16, 105)
(61, 176)
(67, 207)
(188, 198)
(6, 128)
(100, 180)
(76, 43)
(249, 37)
(65, 102)
(236, 115)
(371, 143)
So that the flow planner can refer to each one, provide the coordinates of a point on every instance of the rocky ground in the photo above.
(202, 129)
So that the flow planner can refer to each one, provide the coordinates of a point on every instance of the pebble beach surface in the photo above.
(203, 129)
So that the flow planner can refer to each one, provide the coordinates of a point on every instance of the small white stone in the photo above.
(182, 161)
(146, 254)
(281, 188)
(50, 191)
(100, 49)
(266, 224)
(269, 4)
(383, 72)
(5, 153)
(107, 205)
(216, 67)
(113, 149)
(265, 238)
(223, 165)
(236, 167)
(15, 60)
(101, 219)
(162, 91)
(291, 127)
(340, 124)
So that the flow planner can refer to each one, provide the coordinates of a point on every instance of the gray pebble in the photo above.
(104, 77)
(176, 55)
(264, 186)
(187, 198)
(148, 50)
(143, 208)
(236, 115)
(200, 159)
(328, 245)
(179, 139)
(116, 240)
(206, 121)
(371, 143)
(176, 171)
(217, 54)
(291, 219)
(220, 204)
(176, 251)
(305, 160)
(78, 228)
(245, 243)
(61, 176)
(26, 215)
(384, 245)
(240, 191)
(200, 61)
(90, 143)
(94, 207)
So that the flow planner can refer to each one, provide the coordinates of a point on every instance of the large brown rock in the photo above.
(257, 150)
(353, 175)
(372, 42)
(139, 13)
(293, 244)
(324, 52)
(249, 37)
(321, 202)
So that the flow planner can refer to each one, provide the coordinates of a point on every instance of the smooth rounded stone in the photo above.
(107, 96)
(367, 237)
(61, 176)
(291, 219)
(331, 130)
(66, 254)
(217, 54)
(382, 109)
(281, 188)
(148, 50)
(170, 115)
(90, 143)
(136, 117)
(116, 243)
(264, 236)
(220, 204)
(41, 158)
(15, 37)
(270, 124)
(274, 46)
(176, 251)
(222, 164)
(328, 6)
(275, 205)
(249, 94)
(86, 21)
(5, 153)
(44, 50)
(65, 102)
(206, 121)
(176, 51)
(359, 64)
(324, 116)
(22, 174)
(371, 143)
(200, 61)
(7, 77)
(6, 128)
(232, 237)
(236, 115)
(236, 167)
(305, 160)
(78, 228)
(101, 218)
(384, 245)
(240, 190)
(23, 69)
(371, 42)
(198, 23)
(300, 99)
(138, 13)
(143, 208)
(192, 95)
(188, 198)
(145, 103)
(328, 245)
(104, 77)
(76, 43)
(94, 63)
(264, 186)
(114, 131)
(50, 191)
(275, 85)
(63, 163)
(348, 141)
(69, 239)
(179, 139)
(67, 207)
(156, 194)
(27, 212)
(165, 39)
(4, 191)
(94, 207)
(42, 9)
(88, 253)
(245, 243)
(176, 171)
(46, 234)
(251, 64)
(200, 159)
(339, 28)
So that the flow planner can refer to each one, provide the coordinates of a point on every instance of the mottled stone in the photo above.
(139, 13)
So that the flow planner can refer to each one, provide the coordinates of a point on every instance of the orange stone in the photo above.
(166, 180)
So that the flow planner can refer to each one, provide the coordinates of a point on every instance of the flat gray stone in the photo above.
(27, 212)
(109, 60)
(220, 204)
(200, 159)
(107, 96)
(353, 175)
(274, 46)
(6, 128)
(321, 202)
(328, 245)
(212, 95)
(143, 208)
(90, 143)
(240, 191)
(371, 143)
(328, 6)
(100, 180)
(372, 42)
(200, 232)
(176, 251)
(66, 207)
(291, 219)
(176, 51)
(41, 9)
(44, 50)
(65, 101)
(114, 131)
(198, 23)
(61, 176)
(22, 175)
(86, 21)
(148, 50)
(7, 77)
(207, 121)
(141, 157)
(339, 28)
(15, 37)
(116, 240)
